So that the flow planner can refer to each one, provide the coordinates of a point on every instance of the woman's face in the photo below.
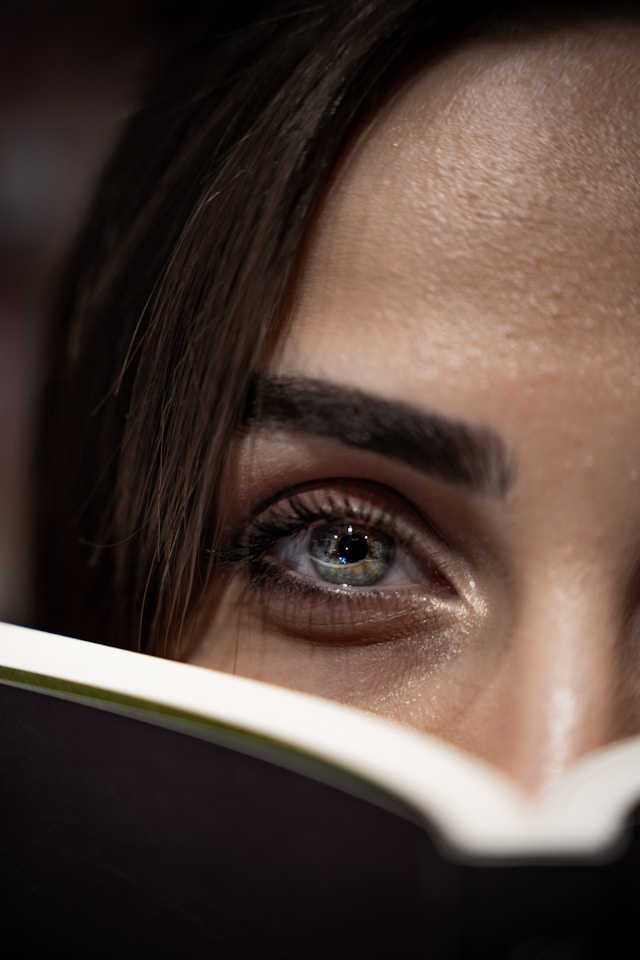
(437, 515)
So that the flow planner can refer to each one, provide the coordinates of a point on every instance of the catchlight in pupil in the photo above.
(352, 548)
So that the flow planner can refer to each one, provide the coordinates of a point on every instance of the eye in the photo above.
(343, 534)
(342, 562)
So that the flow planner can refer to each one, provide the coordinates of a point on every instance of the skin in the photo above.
(476, 258)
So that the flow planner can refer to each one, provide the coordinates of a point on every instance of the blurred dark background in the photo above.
(70, 75)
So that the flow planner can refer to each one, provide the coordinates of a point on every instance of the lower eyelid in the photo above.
(315, 612)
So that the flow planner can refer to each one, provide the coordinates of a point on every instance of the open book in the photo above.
(153, 808)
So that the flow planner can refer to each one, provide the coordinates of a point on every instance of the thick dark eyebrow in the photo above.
(473, 457)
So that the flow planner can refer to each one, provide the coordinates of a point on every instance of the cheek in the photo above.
(437, 678)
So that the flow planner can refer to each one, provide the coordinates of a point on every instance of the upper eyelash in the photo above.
(289, 512)
(285, 518)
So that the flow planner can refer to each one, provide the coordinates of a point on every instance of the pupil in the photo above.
(352, 548)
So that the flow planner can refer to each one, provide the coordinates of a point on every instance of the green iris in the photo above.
(350, 555)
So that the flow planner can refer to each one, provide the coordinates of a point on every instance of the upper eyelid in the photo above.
(365, 491)
(469, 530)
(267, 466)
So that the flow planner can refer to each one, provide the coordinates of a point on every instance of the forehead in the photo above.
(500, 182)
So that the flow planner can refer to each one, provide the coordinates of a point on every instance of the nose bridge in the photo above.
(566, 692)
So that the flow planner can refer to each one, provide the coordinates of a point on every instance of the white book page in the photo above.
(478, 810)
(591, 801)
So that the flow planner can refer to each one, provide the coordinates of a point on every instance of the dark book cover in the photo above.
(123, 837)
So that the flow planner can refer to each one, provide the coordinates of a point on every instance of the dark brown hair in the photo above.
(179, 293)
